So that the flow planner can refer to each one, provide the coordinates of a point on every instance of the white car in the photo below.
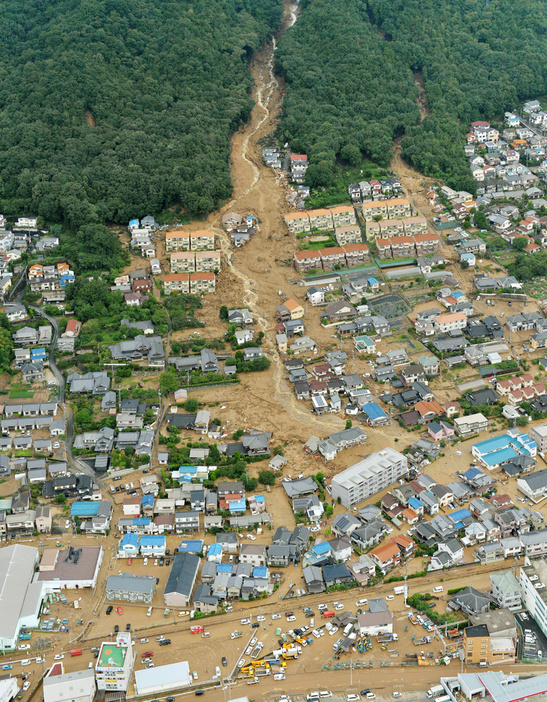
(56, 444)
(333, 631)
(241, 663)
(315, 528)
(390, 597)
(245, 621)
(261, 618)
(58, 657)
(292, 618)
(321, 607)
(145, 562)
(338, 605)
(67, 524)
(23, 647)
(316, 633)
(252, 537)
(26, 685)
(253, 641)
(155, 561)
(276, 616)
(362, 602)
(397, 694)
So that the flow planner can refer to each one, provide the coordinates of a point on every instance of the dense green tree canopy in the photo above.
(112, 109)
(349, 64)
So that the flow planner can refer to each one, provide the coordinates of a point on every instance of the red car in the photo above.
(147, 654)
(119, 610)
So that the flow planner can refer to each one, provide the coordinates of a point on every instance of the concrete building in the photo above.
(9, 689)
(78, 686)
(115, 664)
(181, 580)
(505, 589)
(369, 476)
(539, 435)
(70, 569)
(20, 597)
(471, 424)
(480, 647)
(154, 681)
(532, 574)
(129, 587)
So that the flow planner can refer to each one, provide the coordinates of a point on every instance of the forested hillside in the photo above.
(347, 92)
(110, 109)
(477, 58)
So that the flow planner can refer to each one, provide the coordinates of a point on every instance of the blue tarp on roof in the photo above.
(472, 473)
(260, 572)
(459, 515)
(147, 501)
(141, 521)
(224, 568)
(322, 548)
(129, 540)
(215, 550)
(260, 498)
(415, 504)
(237, 505)
(152, 540)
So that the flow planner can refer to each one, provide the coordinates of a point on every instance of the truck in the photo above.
(236, 634)
(435, 690)
(199, 629)
(442, 698)
(399, 590)
(76, 652)
(327, 613)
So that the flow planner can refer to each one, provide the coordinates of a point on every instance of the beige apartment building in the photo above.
(202, 283)
(297, 222)
(176, 282)
(208, 261)
(348, 234)
(182, 262)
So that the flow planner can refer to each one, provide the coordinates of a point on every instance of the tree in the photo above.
(223, 313)
(520, 243)
(191, 405)
(266, 477)
(522, 421)
(169, 381)
(60, 499)
(349, 423)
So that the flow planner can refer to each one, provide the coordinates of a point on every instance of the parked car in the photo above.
(224, 661)
(109, 609)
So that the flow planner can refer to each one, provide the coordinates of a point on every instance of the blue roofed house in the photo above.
(191, 546)
(373, 284)
(214, 553)
(237, 506)
(147, 504)
(415, 504)
(261, 572)
(152, 545)
(84, 509)
(128, 546)
(375, 414)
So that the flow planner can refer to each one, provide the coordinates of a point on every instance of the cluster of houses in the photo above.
(240, 228)
(374, 189)
(49, 277)
(136, 285)
(142, 233)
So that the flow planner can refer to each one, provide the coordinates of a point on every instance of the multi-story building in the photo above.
(372, 209)
(305, 261)
(202, 240)
(391, 227)
(539, 435)
(348, 234)
(203, 282)
(208, 261)
(402, 246)
(132, 588)
(372, 230)
(330, 258)
(297, 222)
(321, 219)
(177, 241)
(369, 476)
(415, 225)
(182, 262)
(505, 589)
(426, 244)
(383, 247)
(398, 207)
(356, 254)
(471, 424)
(176, 282)
(480, 647)
(450, 322)
(115, 664)
(343, 215)
(535, 599)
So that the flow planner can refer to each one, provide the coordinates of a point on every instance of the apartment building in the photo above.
(305, 261)
(372, 209)
(332, 257)
(177, 241)
(321, 219)
(391, 227)
(539, 435)
(480, 647)
(472, 424)
(115, 664)
(372, 230)
(505, 589)
(535, 600)
(402, 246)
(369, 476)
(426, 244)
(450, 322)
(208, 261)
(348, 234)
(383, 247)
(398, 207)
(202, 283)
(202, 240)
(176, 282)
(343, 215)
(356, 254)
(415, 225)
(297, 222)
(182, 262)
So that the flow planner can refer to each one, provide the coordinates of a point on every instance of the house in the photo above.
(506, 590)
(254, 554)
(43, 519)
(386, 556)
(181, 580)
(375, 623)
(339, 311)
(470, 601)
(290, 309)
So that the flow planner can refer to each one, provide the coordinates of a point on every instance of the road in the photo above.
(75, 464)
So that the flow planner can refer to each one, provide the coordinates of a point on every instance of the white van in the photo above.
(25, 661)
(362, 602)
(217, 672)
(149, 611)
(438, 588)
